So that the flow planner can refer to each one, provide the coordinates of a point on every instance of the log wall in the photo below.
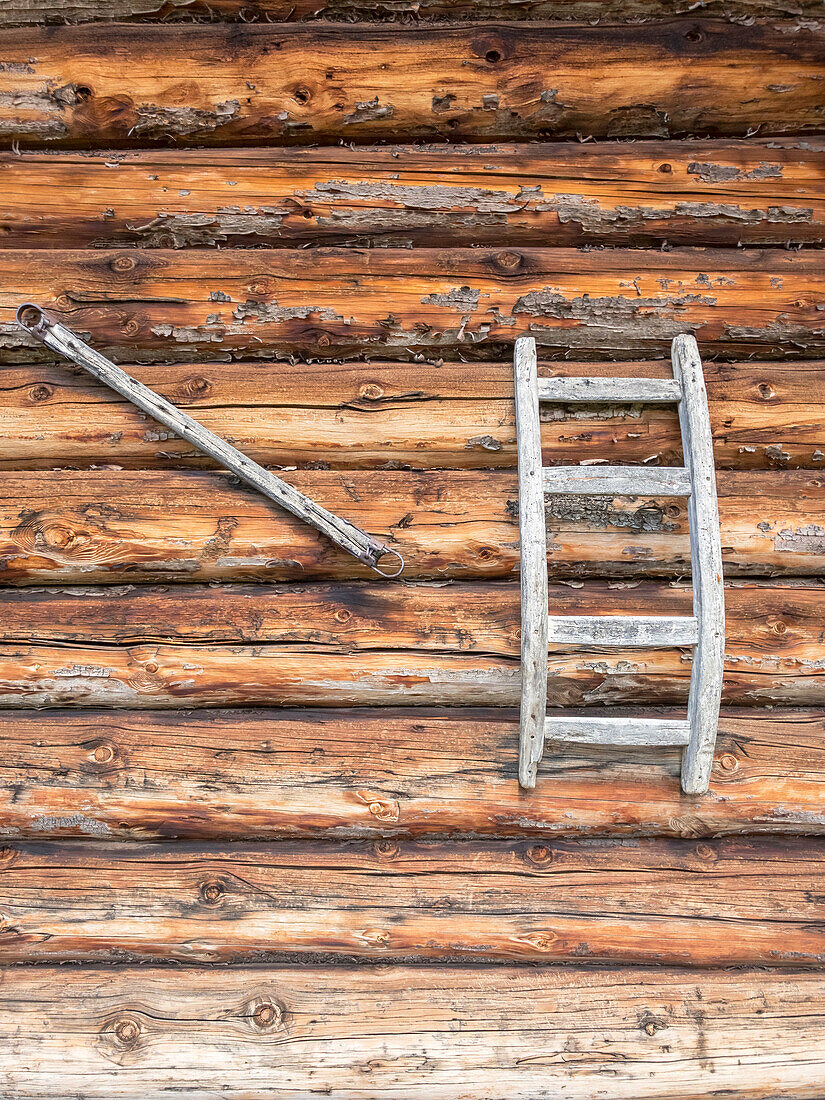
(320, 227)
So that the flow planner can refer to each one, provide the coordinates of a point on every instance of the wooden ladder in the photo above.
(704, 631)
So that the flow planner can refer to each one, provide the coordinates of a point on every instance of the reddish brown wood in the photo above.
(301, 84)
(197, 304)
(643, 901)
(424, 415)
(117, 526)
(381, 645)
(279, 773)
(683, 192)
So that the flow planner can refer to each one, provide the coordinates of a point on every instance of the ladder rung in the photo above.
(617, 731)
(623, 630)
(613, 390)
(629, 481)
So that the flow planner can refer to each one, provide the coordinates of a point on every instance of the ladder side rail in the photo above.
(706, 560)
(532, 529)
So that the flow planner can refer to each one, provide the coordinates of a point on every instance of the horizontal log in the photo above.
(429, 1032)
(23, 12)
(196, 304)
(729, 902)
(267, 774)
(379, 645)
(683, 192)
(456, 415)
(302, 83)
(112, 526)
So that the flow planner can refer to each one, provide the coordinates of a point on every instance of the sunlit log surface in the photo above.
(304, 83)
(453, 415)
(682, 192)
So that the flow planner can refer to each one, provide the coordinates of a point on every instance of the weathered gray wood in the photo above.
(62, 340)
(629, 481)
(652, 391)
(624, 630)
(618, 731)
(533, 563)
(706, 563)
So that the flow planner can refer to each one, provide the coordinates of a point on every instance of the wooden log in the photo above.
(672, 902)
(196, 304)
(430, 1032)
(454, 415)
(301, 83)
(24, 12)
(683, 192)
(373, 645)
(99, 525)
(354, 773)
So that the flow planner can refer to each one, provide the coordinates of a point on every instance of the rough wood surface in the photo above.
(532, 563)
(454, 415)
(683, 192)
(22, 12)
(659, 900)
(281, 773)
(431, 1032)
(203, 303)
(380, 645)
(301, 84)
(112, 526)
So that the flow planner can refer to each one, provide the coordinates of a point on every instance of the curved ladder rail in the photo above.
(704, 631)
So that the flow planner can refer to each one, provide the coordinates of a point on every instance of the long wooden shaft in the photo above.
(65, 342)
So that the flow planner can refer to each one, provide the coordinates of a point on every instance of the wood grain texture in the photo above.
(683, 192)
(115, 526)
(431, 1032)
(379, 645)
(301, 84)
(23, 12)
(245, 774)
(734, 901)
(454, 415)
(203, 303)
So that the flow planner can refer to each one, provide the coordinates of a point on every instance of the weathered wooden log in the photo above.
(22, 12)
(196, 304)
(454, 415)
(278, 773)
(686, 192)
(429, 1032)
(301, 84)
(110, 526)
(374, 645)
(672, 902)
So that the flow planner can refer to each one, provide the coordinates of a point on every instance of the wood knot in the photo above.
(371, 391)
(728, 761)
(266, 1015)
(508, 261)
(197, 386)
(212, 892)
(343, 615)
(324, 340)
(302, 95)
(540, 853)
(385, 809)
(7, 855)
(130, 328)
(665, 168)
(705, 852)
(650, 1024)
(124, 1031)
(387, 849)
(766, 391)
(102, 753)
(41, 392)
(122, 264)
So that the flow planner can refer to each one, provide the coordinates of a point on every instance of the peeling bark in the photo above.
(145, 305)
(116, 526)
(299, 83)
